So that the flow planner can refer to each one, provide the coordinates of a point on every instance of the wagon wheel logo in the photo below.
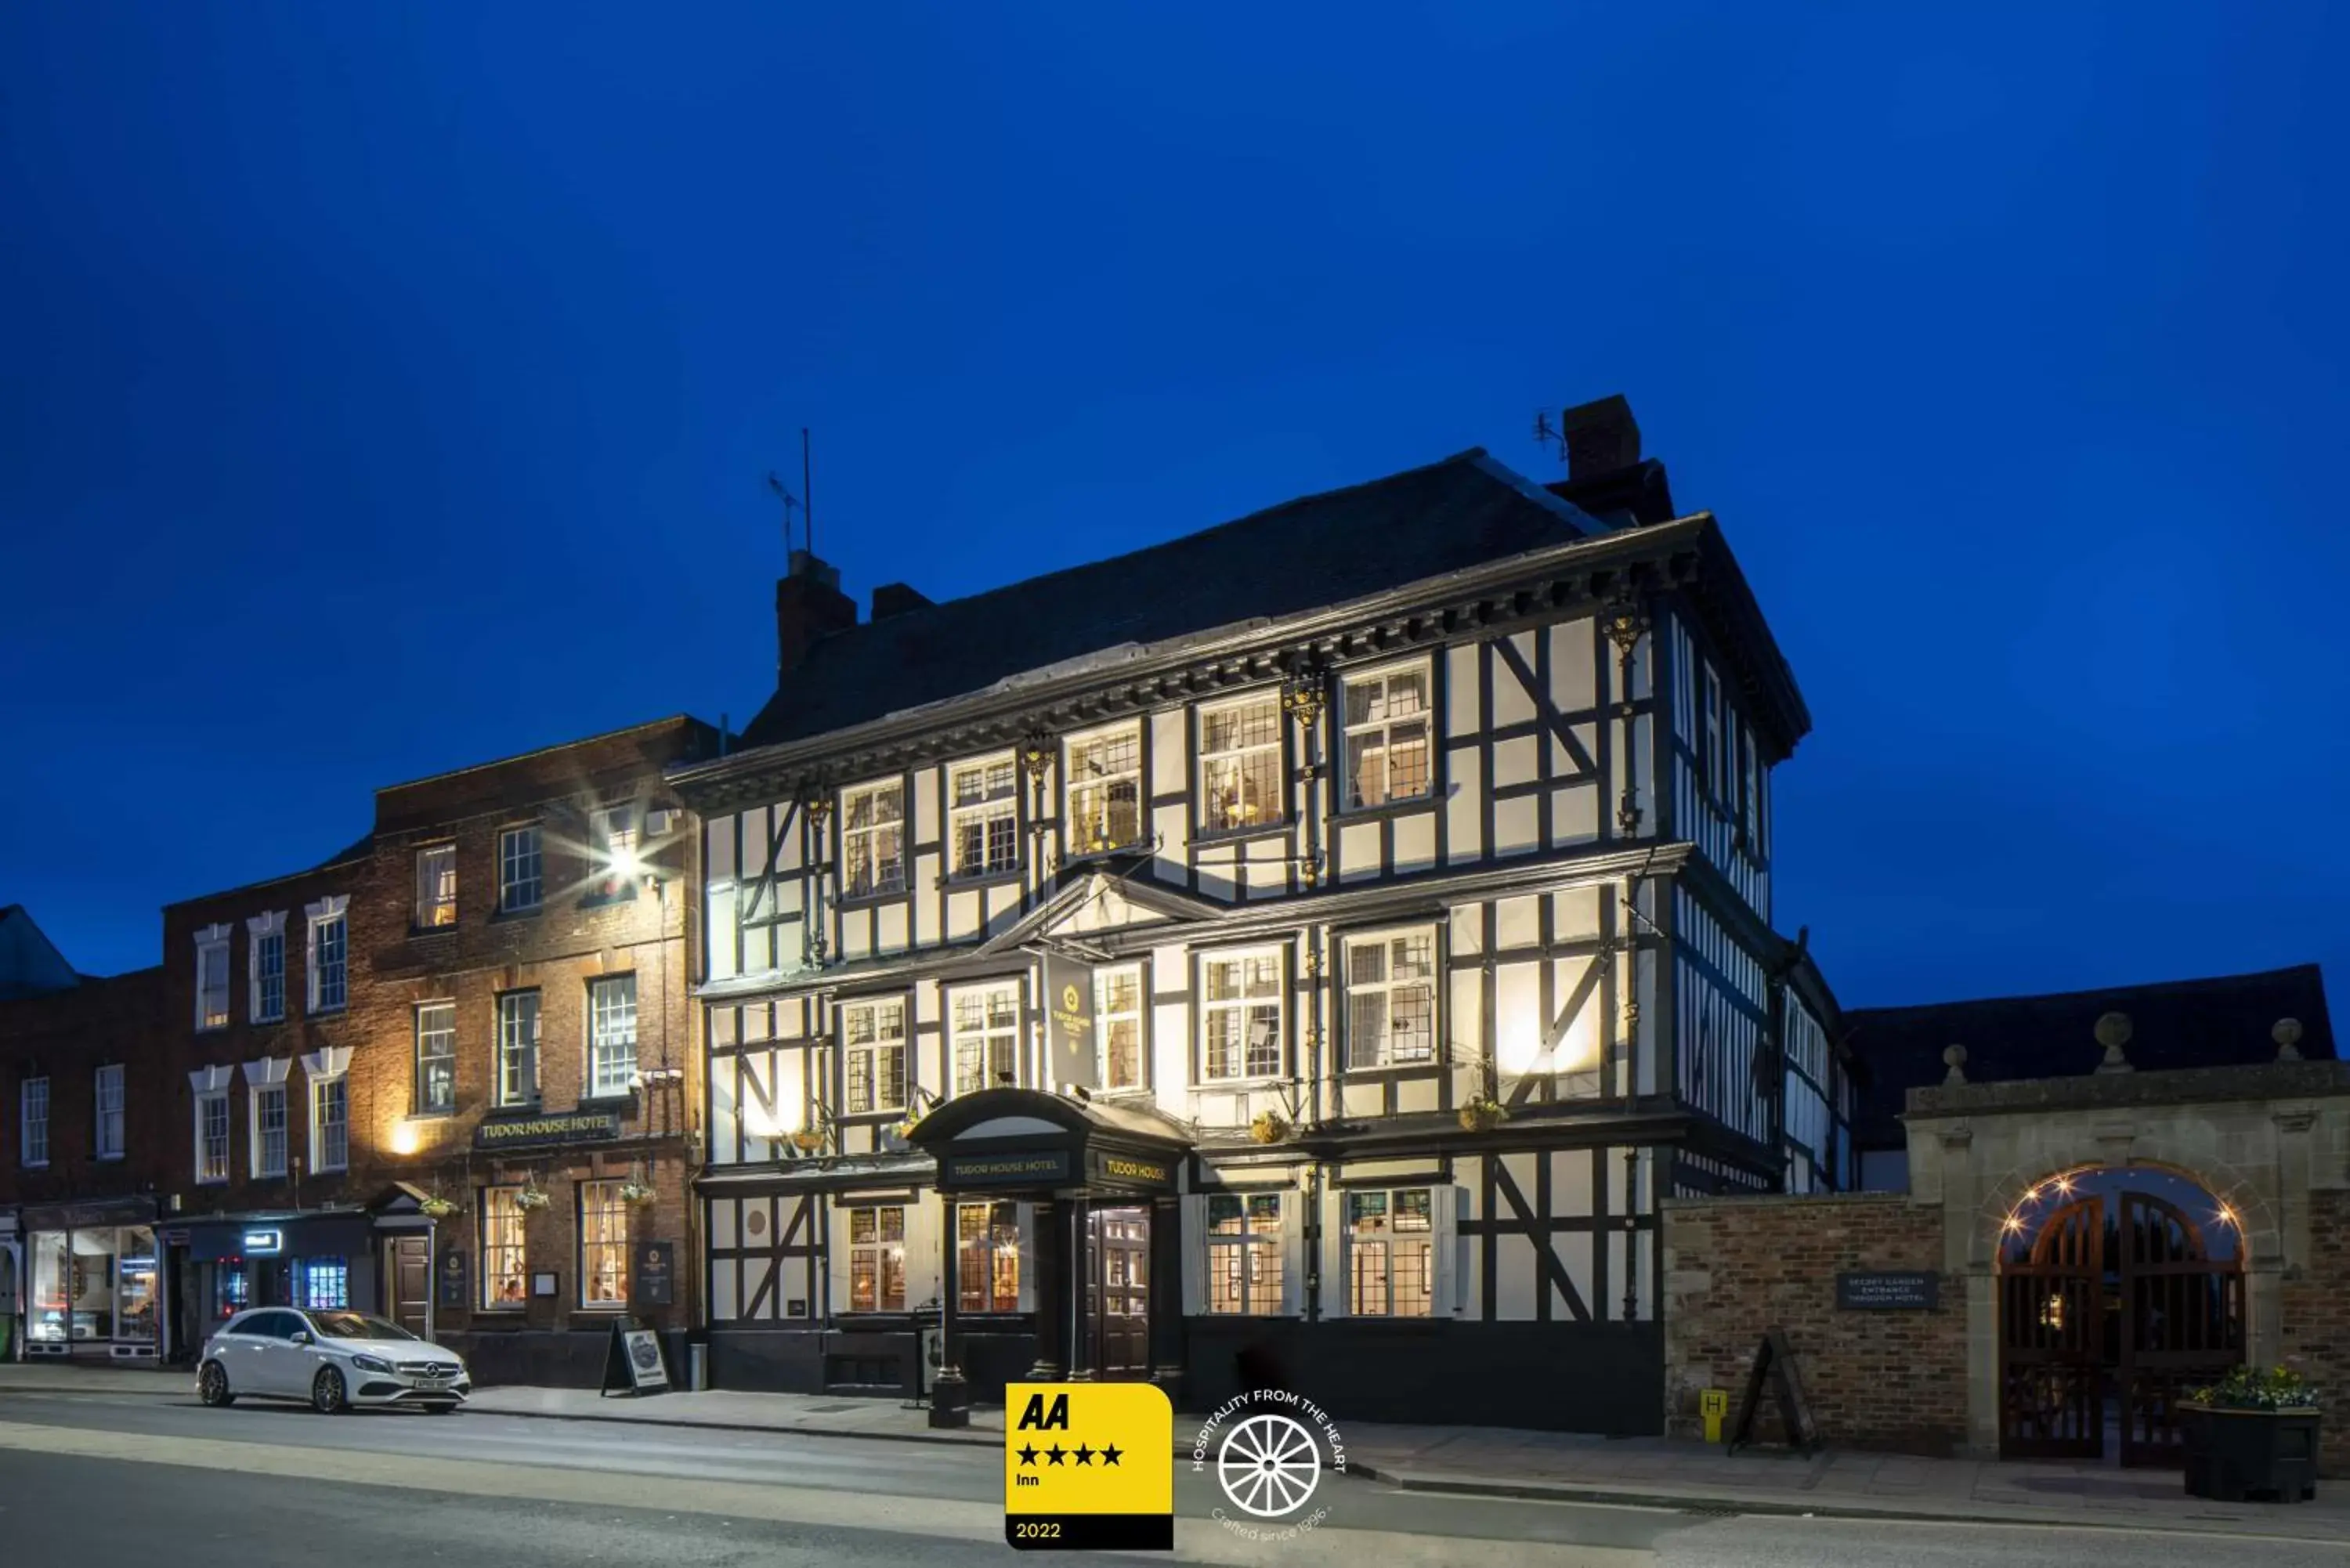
(645, 1355)
(1269, 1466)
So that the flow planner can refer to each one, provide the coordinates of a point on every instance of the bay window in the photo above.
(1240, 765)
(1386, 721)
(1241, 1011)
(987, 1029)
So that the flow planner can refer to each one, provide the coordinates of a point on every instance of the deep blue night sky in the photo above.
(391, 388)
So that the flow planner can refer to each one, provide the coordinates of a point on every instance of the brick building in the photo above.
(447, 1075)
(84, 1149)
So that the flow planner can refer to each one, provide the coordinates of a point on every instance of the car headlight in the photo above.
(371, 1363)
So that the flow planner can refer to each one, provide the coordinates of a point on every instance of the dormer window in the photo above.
(1105, 790)
(873, 840)
(1240, 765)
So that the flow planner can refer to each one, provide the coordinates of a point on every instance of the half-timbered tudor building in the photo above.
(1301, 951)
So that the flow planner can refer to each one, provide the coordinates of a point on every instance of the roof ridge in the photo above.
(2090, 991)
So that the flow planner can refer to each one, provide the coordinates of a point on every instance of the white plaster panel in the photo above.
(1574, 912)
(1415, 841)
(890, 928)
(926, 804)
(1167, 753)
(1571, 683)
(718, 848)
(1416, 1095)
(1358, 851)
(1517, 922)
(1514, 762)
(1517, 827)
(1460, 693)
(1463, 822)
(1468, 930)
(1575, 814)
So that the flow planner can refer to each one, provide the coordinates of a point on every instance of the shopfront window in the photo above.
(1244, 1240)
(326, 1284)
(876, 1260)
(603, 1245)
(987, 1247)
(90, 1284)
(48, 1312)
(134, 1296)
(231, 1291)
(1390, 1253)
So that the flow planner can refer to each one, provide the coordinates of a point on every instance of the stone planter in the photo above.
(2236, 1454)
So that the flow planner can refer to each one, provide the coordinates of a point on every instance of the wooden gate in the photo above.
(2115, 1296)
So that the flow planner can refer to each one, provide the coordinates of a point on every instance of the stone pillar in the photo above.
(1166, 1243)
(1052, 1282)
(951, 1395)
(1082, 1264)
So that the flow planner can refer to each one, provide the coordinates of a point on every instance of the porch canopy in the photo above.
(1028, 1143)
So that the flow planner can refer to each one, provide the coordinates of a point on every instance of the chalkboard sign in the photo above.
(1774, 1362)
(1914, 1290)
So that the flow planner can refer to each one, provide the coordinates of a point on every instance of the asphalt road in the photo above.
(106, 1478)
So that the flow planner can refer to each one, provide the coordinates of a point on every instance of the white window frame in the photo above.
(875, 1253)
(1231, 769)
(1355, 1247)
(32, 1123)
(1262, 1253)
(107, 1126)
(265, 1083)
(211, 1171)
(1245, 1004)
(264, 934)
(436, 888)
(602, 1250)
(440, 1032)
(863, 1042)
(212, 978)
(994, 805)
(1383, 728)
(517, 1059)
(1382, 1052)
(329, 915)
(861, 846)
(989, 1038)
(1106, 1020)
(612, 1035)
(328, 1075)
(503, 1216)
(522, 869)
(1090, 797)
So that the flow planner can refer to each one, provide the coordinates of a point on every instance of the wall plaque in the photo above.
(452, 1279)
(653, 1281)
(1912, 1290)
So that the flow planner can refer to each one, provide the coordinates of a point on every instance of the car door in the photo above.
(273, 1354)
(237, 1347)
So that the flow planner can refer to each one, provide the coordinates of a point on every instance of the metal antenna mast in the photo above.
(791, 503)
(807, 490)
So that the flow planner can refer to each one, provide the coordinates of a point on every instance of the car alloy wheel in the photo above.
(326, 1395)
(212, 1385)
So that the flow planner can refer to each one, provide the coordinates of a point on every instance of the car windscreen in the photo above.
(357, 1326)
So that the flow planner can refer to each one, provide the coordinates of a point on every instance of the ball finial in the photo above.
(1955, 1058)
(2287, 1035)
(2113, 1032)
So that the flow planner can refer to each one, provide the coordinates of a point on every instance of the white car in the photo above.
(332, 1360)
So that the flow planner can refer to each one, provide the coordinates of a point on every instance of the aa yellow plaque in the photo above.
(1089, 1467)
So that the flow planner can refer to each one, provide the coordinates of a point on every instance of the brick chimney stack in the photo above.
(809, 606)
(1606, 474)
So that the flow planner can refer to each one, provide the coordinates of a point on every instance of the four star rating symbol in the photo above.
(1085, 1454)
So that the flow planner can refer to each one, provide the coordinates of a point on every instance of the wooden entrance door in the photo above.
(2052, 1340)
(2182, 1324)
(1119, 1293)
(408, 1285)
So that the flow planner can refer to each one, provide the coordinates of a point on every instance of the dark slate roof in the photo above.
(2220, 1022)
(1302, 555)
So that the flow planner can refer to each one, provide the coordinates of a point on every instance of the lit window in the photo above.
(436, 1056)
(329, 955)
(1391, 1253)
(330, 1123)
(1241, 1012)
(872, 840)
(613, 839)
(603, 1245)
(436, 887)
(1117, 1026)
(1244, 1253)
(612, 1035)
(266, 966)
(108, 1128)
(1240, 765)
(1391, 999)
(983, 817)
(325, 1284)
(986, 1037)
(1387, 737)
(502, 1247)
(212, 978)
(33, 1122)
(269, 1130)
(211, 1138)
(987, 1253)
(876, 1260)
(873, 1037)
(1105, 791)
(518, 1048)
(520, 869)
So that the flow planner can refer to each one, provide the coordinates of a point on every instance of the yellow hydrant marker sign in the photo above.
(1089, 1467)
(1713, 1403)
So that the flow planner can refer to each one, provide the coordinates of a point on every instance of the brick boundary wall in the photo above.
(2315, 1303)
(1736, 1267)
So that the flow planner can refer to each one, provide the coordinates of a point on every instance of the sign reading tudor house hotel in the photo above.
(548, 1132)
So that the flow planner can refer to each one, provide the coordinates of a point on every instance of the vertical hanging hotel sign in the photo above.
(1070, 1020)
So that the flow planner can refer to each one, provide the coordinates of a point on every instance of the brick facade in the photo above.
(2315, 1320)
(1737, 1267)
(65, 1037)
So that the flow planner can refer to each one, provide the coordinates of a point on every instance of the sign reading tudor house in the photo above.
(1911, 1290)
(542, 1132)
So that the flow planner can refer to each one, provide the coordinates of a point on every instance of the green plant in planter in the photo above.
(2250, 1388)
(531, 1197)
(438, 1208)
(637, 1193)
(1268, 1127)
(1484, 1113)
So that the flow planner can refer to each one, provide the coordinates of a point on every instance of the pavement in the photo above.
(1480, 1463)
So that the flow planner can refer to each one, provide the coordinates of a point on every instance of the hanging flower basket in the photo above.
(438, 1208)
(1483, 1114)
(1268, 1127)
(905, 1129)
(637, 1193)
(808, 1141)
(530, 1198)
